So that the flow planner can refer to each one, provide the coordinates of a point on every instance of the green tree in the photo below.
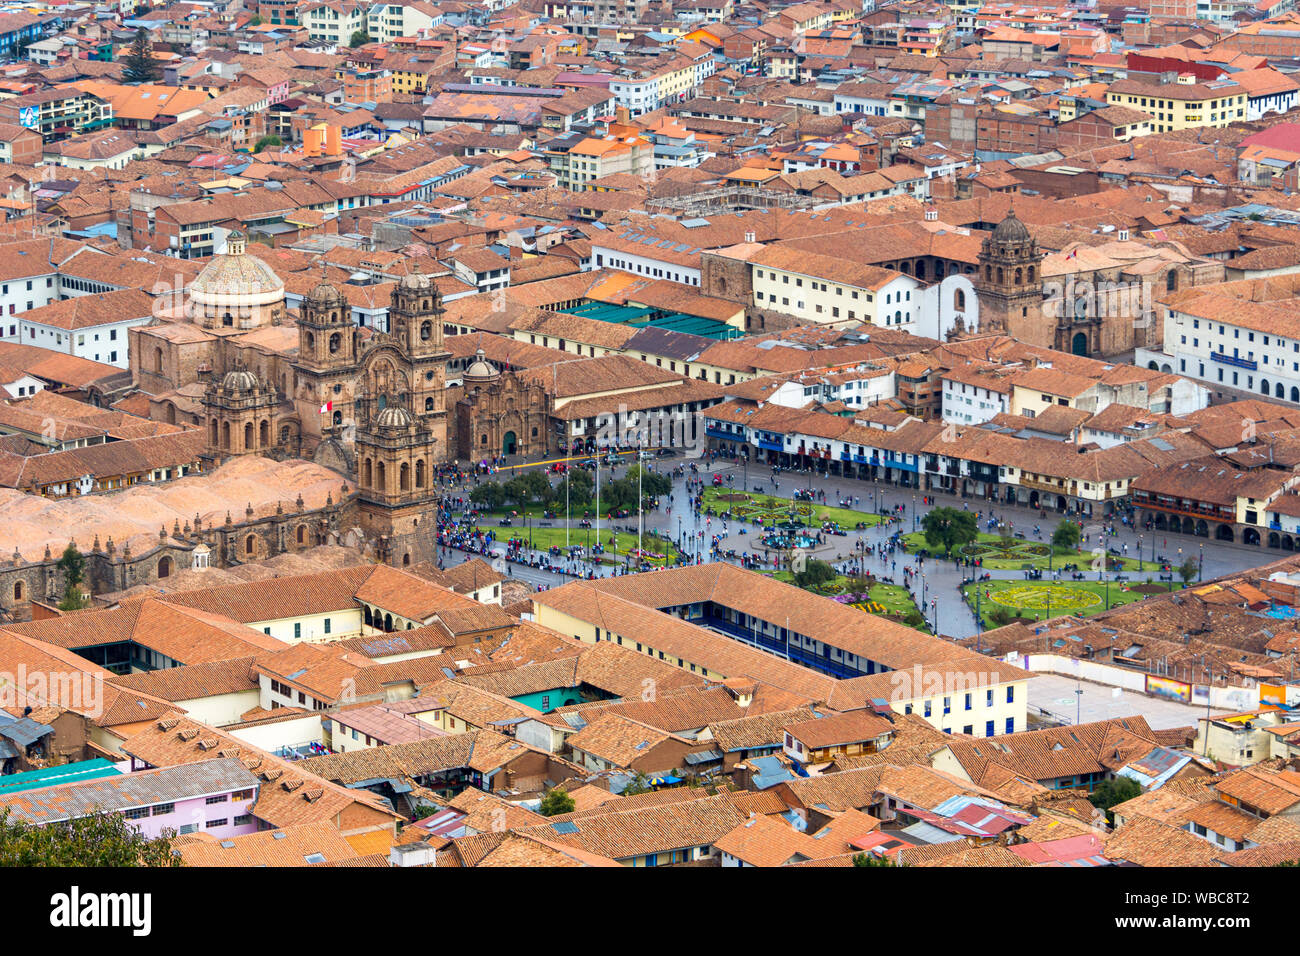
(73, 566)
(949, 528)
(1108, 793)
(1187, 570)
(360, 38)
(999, 616)
(257, 20)
(1066, 536)
(580, 487)
(871, 859)
(268, 142)
(639, 783)
(653, 484)
(814, 573)
(100, 839)
(489, 496)
(516, 491)
(139, 66)
(555, 802)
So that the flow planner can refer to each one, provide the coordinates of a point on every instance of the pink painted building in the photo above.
(215, 796)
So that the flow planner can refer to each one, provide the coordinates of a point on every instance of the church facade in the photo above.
(371, 405)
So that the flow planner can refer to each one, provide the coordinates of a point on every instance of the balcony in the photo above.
(1233, 360)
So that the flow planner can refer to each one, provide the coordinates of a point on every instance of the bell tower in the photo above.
(415, 321)
(1009, 284)
(396, 457)
(325, 372)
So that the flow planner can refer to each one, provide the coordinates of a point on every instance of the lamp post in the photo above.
(913, 513)
(1139, 552)
(1078, 703)
(1200, 565)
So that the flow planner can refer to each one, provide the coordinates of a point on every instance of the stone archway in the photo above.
(509, 443)
(1079, 344)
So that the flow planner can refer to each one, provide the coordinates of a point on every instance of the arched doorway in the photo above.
(1250, 536)
(1079, 344)
(508, 444)
(1274, 539)
(165, 568)
(1224, 533)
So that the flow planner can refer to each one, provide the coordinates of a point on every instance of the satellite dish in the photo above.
(798, 560)
(499, 565)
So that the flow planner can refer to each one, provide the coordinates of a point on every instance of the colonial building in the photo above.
(1008, 283)
(501, 414)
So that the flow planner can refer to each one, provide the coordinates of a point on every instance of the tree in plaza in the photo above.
(1187, 570)
(949, 528)
(100, 839)
(538, 485)
(489, 496)
(1066, 536)
(73, 566)
(653, 484)
(555, 802)
(580, 487)
(815, 573)
(139, 66)
(999, 616)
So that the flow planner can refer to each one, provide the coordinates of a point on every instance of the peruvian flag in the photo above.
(327, 407)
(1073, 254)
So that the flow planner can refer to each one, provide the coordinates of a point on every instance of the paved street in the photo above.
(937, 582)
(1055, 695)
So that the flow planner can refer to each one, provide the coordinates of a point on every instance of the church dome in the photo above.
(417, 281)
(325, 294)
(236, 278)
(240, 380)
(394, 416)
(1011, 229)
(480, 370)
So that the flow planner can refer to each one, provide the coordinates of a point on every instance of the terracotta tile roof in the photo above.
(839, 729)
(287, 846)
(624, 834)
(1144, 842)
(288, 792)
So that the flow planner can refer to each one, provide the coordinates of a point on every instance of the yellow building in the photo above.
(1182, 105)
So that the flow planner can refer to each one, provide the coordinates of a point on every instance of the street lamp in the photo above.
(1200, 565)
(1139, 552)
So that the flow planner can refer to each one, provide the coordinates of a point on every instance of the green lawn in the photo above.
(772, 508)
(1026, 554)
(892, 599)
(1041, 600)
(545, 538)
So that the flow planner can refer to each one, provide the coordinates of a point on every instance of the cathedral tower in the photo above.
(1010, 285)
